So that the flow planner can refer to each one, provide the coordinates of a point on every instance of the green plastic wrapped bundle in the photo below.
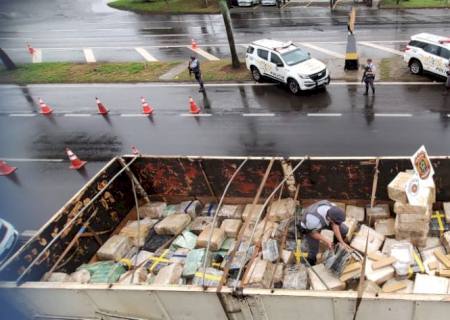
(212, 277)
(104, 271)
(185, 240)
(193, 262)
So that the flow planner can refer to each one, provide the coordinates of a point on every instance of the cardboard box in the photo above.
(380, 211)
(332, 283)
(427, 284)
(231, 227)
(374, 243)
(397, 187)
(355, 212)
(386, 227)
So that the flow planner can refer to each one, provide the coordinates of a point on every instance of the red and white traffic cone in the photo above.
(31, 50)
(44, 108)
(101, 107)
(194, 44)
(146, 108)
(193, 108)
(75, 163)
(6, 169)
(135, 150)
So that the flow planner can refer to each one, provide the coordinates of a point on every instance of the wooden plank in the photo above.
(350, 275)
(442, 258)
(433, 265)
(394, 287)
(444, 273)
(375, 256)
(383, 263)
(352, 267)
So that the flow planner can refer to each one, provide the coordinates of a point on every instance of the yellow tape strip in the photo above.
(419, 262)
(208, 276)
(410, 272)
(439, 217)
(351, 56)
(216, 264)
(298, 252)
(158, 260)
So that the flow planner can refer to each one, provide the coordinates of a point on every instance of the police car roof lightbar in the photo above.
(444, 41)
(284, 46)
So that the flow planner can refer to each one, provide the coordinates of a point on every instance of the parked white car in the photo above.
(268, 2)
(428, 52)
(286, 63)
(247, 3)
(8, 239)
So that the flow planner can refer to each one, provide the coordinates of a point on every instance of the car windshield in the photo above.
(295, 57)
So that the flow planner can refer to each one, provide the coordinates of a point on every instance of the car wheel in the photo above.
(256, 74)
(293, 86)
(415, 67)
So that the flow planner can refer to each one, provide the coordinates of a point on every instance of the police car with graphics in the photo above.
(428, 52)
(286, 63)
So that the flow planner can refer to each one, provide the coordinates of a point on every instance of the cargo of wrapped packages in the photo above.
(153, 210)
(252, 211)
(173, 224)
(355, 212)
(446, 240)
(446, 206)
(331, 281)
(281, 209)
(379, 276)
(375, 240)
(170, 274)
(155, 241)
(104, 271)
(231, 211)
(398, 286)
(211, 277)
(380, 211)
(259, 274)
(58, 277)
(427, 284)
(81, 276)
(295, 277)
(180, 255)
(200, 223)
(270, 250)
(231, 227)
(406, 209)
(134, 229)
(137, 276)
(438, 225)
(157, 262)
(115, 248)
(191, 207)
(185, 240)
(140, 258)
(217, 238)
(397, 187)
(193, 262)
(263, 232)
(209, 210)
(386, 227)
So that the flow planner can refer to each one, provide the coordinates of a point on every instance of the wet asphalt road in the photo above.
(62, 29)
(244, 120)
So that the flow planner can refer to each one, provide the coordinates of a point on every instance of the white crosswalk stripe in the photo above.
(379, 47)
(146, 55)
(89, 55)
(326, 51)
(204, 54)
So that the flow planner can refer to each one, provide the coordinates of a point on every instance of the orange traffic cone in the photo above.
(135, 150)
(6, 169)
(101, 107)
(31, 50)
(146, 108)
(45, 109)
(75, 163)
(193, 44)
(193, 108)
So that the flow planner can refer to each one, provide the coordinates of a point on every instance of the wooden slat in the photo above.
(383, 263)
(375, 256)
(442, 258)
(394, 287)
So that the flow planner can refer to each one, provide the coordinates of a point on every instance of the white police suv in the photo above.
(428, 52)
(287, 64)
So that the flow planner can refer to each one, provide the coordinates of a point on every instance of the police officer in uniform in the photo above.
(322, 215)
(369, 76)
(194, 68)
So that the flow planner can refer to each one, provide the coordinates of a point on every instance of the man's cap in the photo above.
(336, 214)
(193, 57)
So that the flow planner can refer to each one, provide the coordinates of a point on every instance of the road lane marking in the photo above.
(324, 114)
(131, 115)
(36, 57)
(147, 56)
(30, 160)
(89, 55)
(77, 115)
(382, 48)
(195, 115)
(258, 114)
(386, 83)
(326, 51)
(22, 114)
(394, 115)
(203, 53)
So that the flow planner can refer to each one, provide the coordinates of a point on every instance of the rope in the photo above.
(217, 213)
(261, 212)
(138, 227)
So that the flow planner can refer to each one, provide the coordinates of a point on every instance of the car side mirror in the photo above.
(309, 54)
(280, 64)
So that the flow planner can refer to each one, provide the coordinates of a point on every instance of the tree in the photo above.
(227, 21)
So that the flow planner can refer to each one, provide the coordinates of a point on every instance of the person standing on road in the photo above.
(369, 76)
(447, 83)
(194, 68)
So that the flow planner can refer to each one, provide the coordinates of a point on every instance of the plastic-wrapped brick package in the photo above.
(193, 262)
(140, 258)
(185, 240)
(192, 208)
(282, 209)
(168, 275)
(137, 276)
(173, 224)
(104, 271)
(81, 276)
(231, 211)
(217, 238)
(295, 277)
(270, 250)
(115, 248)
(212, 277)
(133, 229)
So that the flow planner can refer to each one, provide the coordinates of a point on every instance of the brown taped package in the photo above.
(231, 227)
(218, 237)
(173, 224)
(259, 274)
(281, 209)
